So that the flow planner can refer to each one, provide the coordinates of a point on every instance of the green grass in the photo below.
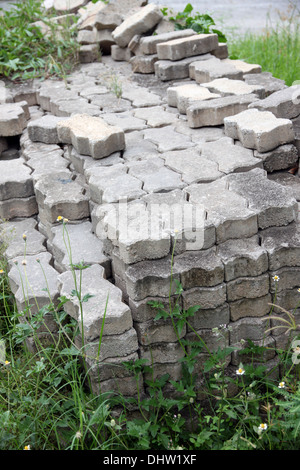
(276, 50)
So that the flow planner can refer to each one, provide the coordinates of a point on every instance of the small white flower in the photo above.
(191, 400)
(112, 423)
(276, 278)
(263, 427)
(240, 371)
(78, 435)
(281, 385)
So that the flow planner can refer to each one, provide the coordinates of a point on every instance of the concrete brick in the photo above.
(243, 258)
(283, 103)
(155, 116)
(259, 130)
(266, 80)
(243, 66)
(248, 287)
(120, 53)
(227, 87)
(91, 135)
(143, 64)
(166, 70)
(44, 129)
(184, 96)
(281, 158)
(18, 207)
(175, 141)
(142, 21)
(89, 53)
(249, 328)
(273, 203)
(289, 278)
(105, 302)
(15, 180)
(282, 245)
(158, 331)
(205, 297)
(213, 69)
(11, 235)
(213, 112)
(258, 307)
(148, 44)
(181, 48)
(13, 118)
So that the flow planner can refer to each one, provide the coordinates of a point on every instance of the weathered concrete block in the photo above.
(283, 157)
(287, 179)
(248, 287)
(18, 207)
(243, 258)
(108, 19)
(91, 135)
(213, 69)
(13, 118)
(226, 210)
(44, 129)
(249, 328)
(259, 130)
(210, 318)
(112, 346)
(266, 80)
(141, 22)
(282, 245)
(274, 204)
(155, 116)
(199, 269)
(163, 353)
(105, 301)
(221, 52)
(266, 356)
(289, 278)
(194, 168)
(34, 283)
(158, 331)
(258, 307)
(120, 53)
(244, 67)
(15, 180)
(148, 44)
(143, 64)
(184, 96)
(77, 244)
(12, 236)
(142, 311)
(140, 96)
(155, 176)
(89, 53)
(59, 195)
(205, 297)
(175, 140)
(181, 48)
(227, 87)
(167, 70)
(213, 112)
(237, 158)
(70, 6)
(283, 103)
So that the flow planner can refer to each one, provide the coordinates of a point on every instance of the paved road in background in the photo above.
(241, 14)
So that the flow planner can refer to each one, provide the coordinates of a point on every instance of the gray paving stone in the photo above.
(70, 6)
(121, 53)
(205, 297)
(265, 79)
(199, 135)
(163, 353)
(13, 118)
(258, 307)
(91, 135)
(174, 140)
(213, 112)
(141, 22)
(89, 53)
(155, 116)
(289, 278)
(34, 284)
(15, 180)
(226, 210)
(76, 241)
(210, 318)
(193, 167)
(53, 92)
(287, 179)
(281, 158)
(109, 185)
(105, 302)
(213, 69)
(249, 328)
(167, 70)
(228, 157)
(199, 269)
(184, 96)
(150, 279)
(273, 203)
(221, 52)
(125, 121)
(109, 102)
(140, 96)
(227, 87)
(48, 164)
(138, 149)
(112, 346)
(248, 288)
(161, 331)
(143, 64)
(148, 44)
(142, 311)
(58, 195)
(81, 163)
(66, 108)
(181, 48)
(282, 245)
(18, 207)
(283, 103)
(44, 129)
(244, 257)
(259, 130)
(155, 176)
(12, 237)
(243, 66)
